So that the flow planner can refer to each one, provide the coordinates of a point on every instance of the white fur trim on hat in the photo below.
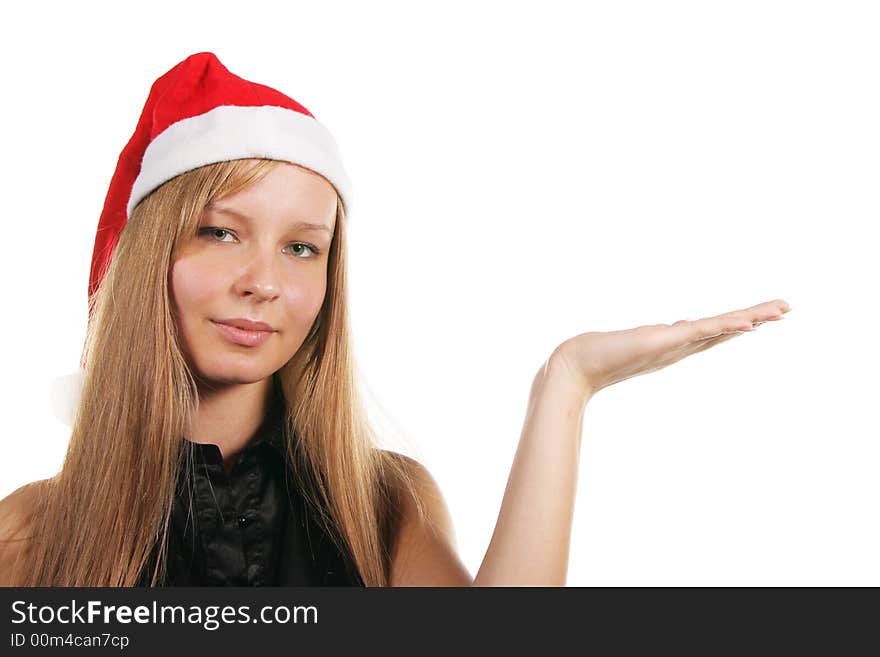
(232, 132)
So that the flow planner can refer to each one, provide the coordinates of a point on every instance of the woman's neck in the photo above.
(230, 416)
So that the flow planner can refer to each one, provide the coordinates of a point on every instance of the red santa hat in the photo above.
(199, 113)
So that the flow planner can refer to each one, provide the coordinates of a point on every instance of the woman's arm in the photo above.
(531, 538)
(530, 544)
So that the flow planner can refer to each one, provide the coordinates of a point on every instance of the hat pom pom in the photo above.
(65, 393)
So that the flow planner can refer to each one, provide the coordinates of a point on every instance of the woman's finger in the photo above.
(742, 320)
(688, 332)
(762, 311)
(709, 341)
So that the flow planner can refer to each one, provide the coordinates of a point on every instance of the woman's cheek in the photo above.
(303, 300)
(192, 288)
(192, 283)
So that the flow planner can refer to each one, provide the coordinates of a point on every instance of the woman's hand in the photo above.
(597, 360)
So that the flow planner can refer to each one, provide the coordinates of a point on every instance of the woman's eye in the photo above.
(297, 249)
(216, 233)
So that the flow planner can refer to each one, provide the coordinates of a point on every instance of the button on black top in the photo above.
(250, 527)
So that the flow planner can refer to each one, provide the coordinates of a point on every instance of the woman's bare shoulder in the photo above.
(419, 482)
(17, 509)
(414, 471)
(17, 512)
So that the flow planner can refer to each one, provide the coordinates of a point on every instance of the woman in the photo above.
(218, 315)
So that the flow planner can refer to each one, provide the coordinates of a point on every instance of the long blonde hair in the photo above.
(98, 520)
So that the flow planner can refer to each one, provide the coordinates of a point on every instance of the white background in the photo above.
(524, 173)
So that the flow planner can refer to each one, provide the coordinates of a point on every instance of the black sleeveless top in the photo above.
(251, 527)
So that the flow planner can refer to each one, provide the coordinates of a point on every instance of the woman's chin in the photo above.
(226, 376)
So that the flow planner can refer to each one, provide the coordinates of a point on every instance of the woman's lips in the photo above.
(243, 336)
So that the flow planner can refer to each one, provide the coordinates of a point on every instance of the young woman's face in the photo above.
(254, 261)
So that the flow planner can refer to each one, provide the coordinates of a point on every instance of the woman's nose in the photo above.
(259, 276)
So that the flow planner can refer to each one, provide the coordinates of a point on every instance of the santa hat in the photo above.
(199, 113)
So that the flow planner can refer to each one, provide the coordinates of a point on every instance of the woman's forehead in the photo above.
(288, 193)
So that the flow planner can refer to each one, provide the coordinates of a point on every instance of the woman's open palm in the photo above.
(600, 359)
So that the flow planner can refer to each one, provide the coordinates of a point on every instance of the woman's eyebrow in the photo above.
(300, 225)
